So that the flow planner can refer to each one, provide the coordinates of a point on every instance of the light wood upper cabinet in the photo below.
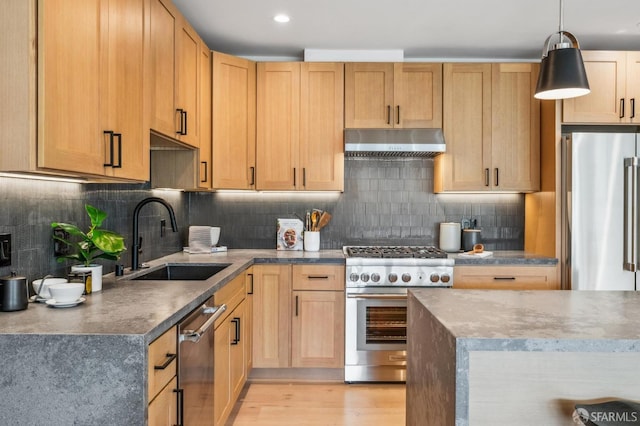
(175, 64)
(613, 78)
(73, 88)
(515, 128)
(188, 86)
(234, 122)
(164, 18)
(491, 126)
(299, 126)
(322, 126)
(386, 95)
(204, 151)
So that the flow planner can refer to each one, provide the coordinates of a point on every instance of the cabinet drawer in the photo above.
(318, 277)
(507, 277)
(162, 361)
(231, 295)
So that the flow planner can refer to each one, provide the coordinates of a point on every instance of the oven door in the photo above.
(376, 330)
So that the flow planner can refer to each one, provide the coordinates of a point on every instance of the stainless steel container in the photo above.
(14, 293)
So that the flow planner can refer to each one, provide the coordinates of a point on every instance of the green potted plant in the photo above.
(85, 247)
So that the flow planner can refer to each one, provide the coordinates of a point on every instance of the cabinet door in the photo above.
(417, 95)
(163, 70)
(271, 315)
(248, 345)
(204, 153)
(234, 122)
(125, 90)
(368, 95)
(237, 332)
(317, 329)
(467, 129)
(187, 109)
(163, 410)
(222, 373)
(70, 84)
(278, 121)
(515, 131)
(607, 81)
(321, 126)
(633, 86)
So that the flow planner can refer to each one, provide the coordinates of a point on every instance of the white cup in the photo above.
(311, 240)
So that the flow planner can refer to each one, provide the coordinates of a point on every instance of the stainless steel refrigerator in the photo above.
(602, 217)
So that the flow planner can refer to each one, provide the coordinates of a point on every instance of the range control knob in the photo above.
(406, 278)
(364, 277)
(434, 278)
(393, 278)
(445, 278)
(375, 277)
(354, 277)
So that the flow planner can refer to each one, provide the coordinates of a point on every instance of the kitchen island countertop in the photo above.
(494, 355)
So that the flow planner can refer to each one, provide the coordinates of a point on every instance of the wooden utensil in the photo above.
(325, 217)
(315, 216)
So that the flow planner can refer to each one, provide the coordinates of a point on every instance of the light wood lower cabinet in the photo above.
(298, 316)
(229, 348)
(163, 410)
(506, 277)
(271, 315)
(162, 379)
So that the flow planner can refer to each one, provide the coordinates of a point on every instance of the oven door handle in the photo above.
(377, 296)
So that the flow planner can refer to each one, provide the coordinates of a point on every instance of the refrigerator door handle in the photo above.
(631, 213)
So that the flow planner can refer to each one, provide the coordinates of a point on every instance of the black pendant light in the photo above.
(562, 73)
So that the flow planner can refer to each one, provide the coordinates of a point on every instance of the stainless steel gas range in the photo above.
(377, 279)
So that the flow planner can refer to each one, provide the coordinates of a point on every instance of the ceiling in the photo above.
(423, 29)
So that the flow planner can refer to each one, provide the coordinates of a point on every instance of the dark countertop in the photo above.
(506, 257)
(88, 364)
(148, 308)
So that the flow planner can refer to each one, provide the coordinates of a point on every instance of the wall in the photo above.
(29, 207)
(386, 201)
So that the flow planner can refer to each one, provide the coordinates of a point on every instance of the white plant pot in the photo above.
(96, 275)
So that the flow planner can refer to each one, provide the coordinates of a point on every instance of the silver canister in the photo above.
(470, 237)
(14, 293)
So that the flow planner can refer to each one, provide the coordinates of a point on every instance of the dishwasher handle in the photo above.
(194, 336)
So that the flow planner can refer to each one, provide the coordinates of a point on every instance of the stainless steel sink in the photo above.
(185, 272)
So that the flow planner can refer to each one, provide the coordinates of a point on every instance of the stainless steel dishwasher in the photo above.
(195, 364)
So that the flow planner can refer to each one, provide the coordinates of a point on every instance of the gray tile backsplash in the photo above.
(386, 201)
(29, 207)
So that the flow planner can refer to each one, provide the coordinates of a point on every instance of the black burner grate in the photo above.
(423, 252)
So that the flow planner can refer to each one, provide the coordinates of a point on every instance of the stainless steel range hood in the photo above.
(393, 142)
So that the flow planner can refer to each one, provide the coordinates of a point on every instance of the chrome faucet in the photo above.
(137, 241)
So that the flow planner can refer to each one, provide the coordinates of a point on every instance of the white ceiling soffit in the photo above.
(423, 29)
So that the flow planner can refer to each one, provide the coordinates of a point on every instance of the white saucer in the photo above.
(53, 303)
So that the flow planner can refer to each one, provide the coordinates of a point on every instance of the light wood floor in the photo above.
(278, 404)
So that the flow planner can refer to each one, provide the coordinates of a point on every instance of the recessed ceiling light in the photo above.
(281, 18)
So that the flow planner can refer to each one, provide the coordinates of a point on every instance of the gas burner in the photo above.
(397, 252)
